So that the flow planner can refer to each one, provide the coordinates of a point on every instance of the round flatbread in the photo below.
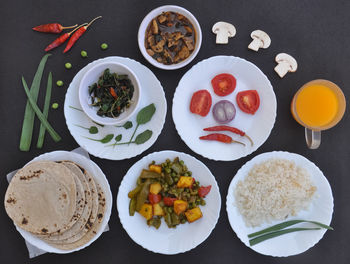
(95, 227)
(41, 198)
(71, 234)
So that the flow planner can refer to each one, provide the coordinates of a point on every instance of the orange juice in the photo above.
(316, 105)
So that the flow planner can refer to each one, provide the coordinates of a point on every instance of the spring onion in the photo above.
(40, 115)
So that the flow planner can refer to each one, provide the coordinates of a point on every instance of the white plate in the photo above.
(165, 240)
(320, 210)
(99, 177)
(190, 126)
(151, 92)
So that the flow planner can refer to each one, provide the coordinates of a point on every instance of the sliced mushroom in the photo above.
(260, 40)
(184, 53)
(223, 31)
(161, 19)
(159, 46)
(286, 63)
(154, 27)
(189, 43)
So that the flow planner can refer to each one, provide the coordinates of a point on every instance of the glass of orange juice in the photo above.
(318, 105)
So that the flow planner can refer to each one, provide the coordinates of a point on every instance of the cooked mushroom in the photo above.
(223, 31)
(286, 63)
(260, 40)
(154, 27)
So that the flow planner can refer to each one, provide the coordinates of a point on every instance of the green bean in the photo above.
(267, 236)
(146, 174)
(143, 195)
(167, 219)
(175, 219)
(168, 179)
(135, 191)
(286, 224)
(132, 206)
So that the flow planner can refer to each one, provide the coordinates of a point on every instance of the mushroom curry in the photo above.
(170, 38)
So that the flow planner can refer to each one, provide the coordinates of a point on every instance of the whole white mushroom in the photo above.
(223, 31)
(286, 63)
(260, 40)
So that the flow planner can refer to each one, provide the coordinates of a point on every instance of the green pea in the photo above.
(176, 179)
(68, 65)
(59, 83)
(183, 221)
(189, 173)
(167, 161)
(182, 162)
(104, 46)
(203, 202)
(173, 174)
(54, 106)
(185, 174)
(83, 53)
(167, 170)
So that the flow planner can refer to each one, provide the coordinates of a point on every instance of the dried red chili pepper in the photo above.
(61, 39)
(231, 129)
(113, 93)
(221, 138)
(52, 28)
(78, 34)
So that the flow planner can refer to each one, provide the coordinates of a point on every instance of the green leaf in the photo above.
(118, 138)
(145, 114)
(128, 125)
(143, 137)
(107, 138)
(93, 130)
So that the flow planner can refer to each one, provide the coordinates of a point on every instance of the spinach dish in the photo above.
(111, 94)
(170, 38)
(167, 190)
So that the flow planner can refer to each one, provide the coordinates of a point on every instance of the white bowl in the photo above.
(142, 31)
(91, 77)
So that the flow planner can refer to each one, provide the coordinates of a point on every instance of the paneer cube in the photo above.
(193, 214)
(155, 188)
(155, 168)
(180, 206)
(158, 210)
(146, 211)
(185, 182)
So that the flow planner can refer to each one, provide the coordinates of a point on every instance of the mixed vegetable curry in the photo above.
(168, 190)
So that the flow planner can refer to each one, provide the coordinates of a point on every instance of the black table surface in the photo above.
(315, 32)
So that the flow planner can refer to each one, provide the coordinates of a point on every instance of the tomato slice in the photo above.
(248, 101)
(168, 201)
(154, 198)
(201, 103)
(203, 191)
(223, 84)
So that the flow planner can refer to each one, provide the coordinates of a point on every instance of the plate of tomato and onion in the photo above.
(224, 108)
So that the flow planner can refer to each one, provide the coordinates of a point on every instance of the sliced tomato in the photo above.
(154, 198)
(201, 103)
(223, 84)
(204, 190)
(248, 101)
(168, 201)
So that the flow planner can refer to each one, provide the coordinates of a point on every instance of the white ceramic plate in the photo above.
(99, 177)
(190, 126)
(165, 240)
(151, 92)
(320, 210)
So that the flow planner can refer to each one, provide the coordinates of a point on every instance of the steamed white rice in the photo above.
(273, 190)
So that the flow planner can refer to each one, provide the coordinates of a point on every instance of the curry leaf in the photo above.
(145, 114)
(104, 140)
(143, 137)
(118, 138)
(128, 125)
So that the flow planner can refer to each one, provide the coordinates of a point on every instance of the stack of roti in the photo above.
(59, 202)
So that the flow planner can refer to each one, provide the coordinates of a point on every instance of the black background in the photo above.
(315, 32)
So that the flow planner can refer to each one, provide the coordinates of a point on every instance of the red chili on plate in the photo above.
(154, 198)
(223, 84)
(203, 191)
(248, 101)
(201, 103)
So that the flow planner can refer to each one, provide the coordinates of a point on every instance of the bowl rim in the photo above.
(108, 120)
(141, 36)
